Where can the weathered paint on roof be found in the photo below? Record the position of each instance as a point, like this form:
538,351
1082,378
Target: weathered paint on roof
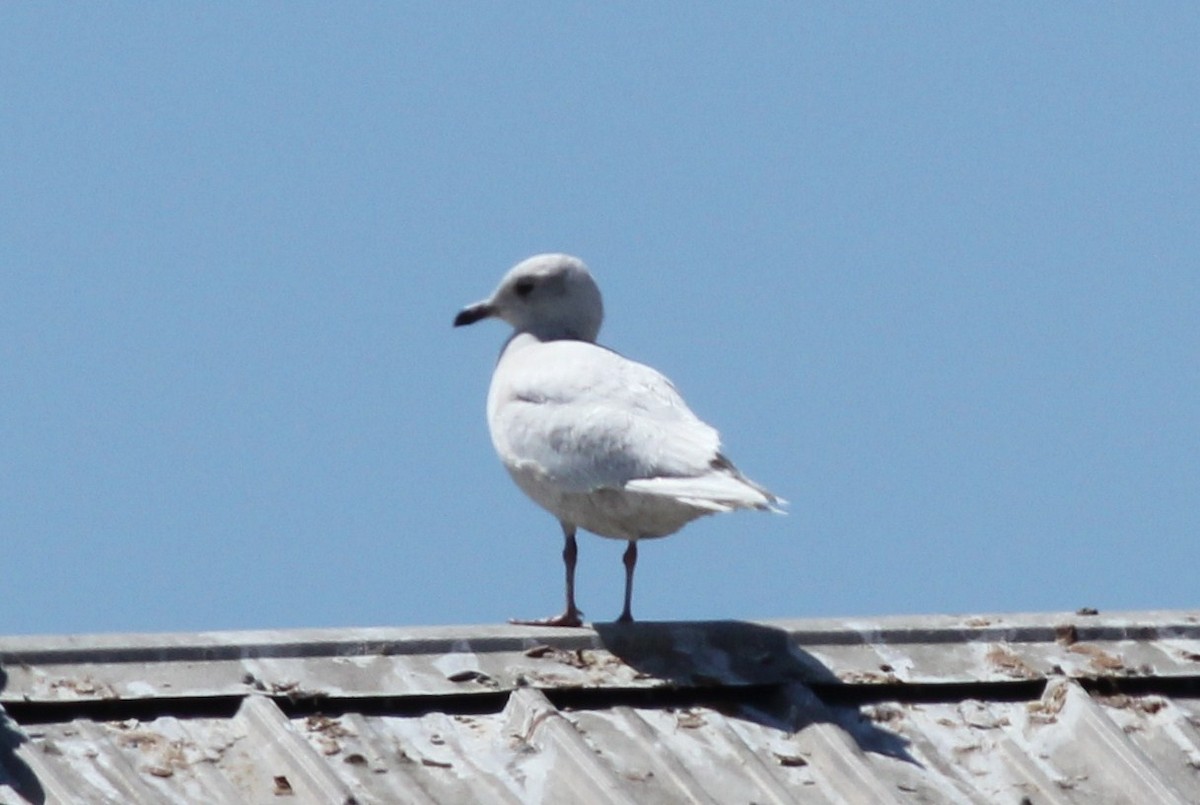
1038,708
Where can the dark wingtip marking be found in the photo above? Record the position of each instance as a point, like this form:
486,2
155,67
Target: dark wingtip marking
719,462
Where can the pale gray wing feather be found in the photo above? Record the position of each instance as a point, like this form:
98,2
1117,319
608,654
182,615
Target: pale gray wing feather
586,418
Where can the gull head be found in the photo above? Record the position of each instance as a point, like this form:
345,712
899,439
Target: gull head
551,296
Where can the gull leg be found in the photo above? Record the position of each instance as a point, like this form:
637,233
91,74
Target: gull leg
570,554
571,617
630,560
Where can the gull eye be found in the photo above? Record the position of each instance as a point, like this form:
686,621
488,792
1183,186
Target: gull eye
523,287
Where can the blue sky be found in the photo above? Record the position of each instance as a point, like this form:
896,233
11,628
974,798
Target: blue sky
932,273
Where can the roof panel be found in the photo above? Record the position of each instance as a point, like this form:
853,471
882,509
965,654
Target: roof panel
1053,708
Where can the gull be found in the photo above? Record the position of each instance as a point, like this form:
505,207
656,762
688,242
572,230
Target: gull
601,442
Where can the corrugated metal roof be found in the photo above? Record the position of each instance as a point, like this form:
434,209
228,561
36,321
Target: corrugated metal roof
996,709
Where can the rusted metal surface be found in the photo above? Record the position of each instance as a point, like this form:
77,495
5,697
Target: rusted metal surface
1049,707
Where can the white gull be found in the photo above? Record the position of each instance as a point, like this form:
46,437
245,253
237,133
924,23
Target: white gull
601,442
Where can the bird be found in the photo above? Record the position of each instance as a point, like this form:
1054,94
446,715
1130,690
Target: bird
601,442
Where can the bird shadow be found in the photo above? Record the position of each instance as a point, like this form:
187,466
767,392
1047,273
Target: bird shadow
755,672
14,771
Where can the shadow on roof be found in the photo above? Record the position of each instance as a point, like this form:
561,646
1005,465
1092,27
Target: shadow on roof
754,672
14,772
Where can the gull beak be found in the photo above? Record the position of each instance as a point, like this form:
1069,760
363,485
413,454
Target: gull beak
473,313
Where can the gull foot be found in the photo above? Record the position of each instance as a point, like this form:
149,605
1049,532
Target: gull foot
569,618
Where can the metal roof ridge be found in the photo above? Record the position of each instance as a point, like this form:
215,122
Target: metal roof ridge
388,640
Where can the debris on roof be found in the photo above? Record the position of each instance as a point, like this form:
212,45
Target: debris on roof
1007,708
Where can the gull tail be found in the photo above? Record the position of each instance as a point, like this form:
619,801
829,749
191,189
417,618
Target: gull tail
721,489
